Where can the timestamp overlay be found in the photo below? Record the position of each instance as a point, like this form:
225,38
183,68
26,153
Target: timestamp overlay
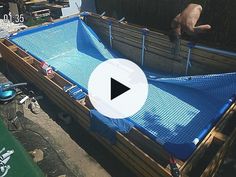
17,18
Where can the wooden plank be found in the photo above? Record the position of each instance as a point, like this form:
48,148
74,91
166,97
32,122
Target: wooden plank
199,65
146,171
202,147
29,60
220,136
162,51
124,33
152,34
153,61
218,158
214,62
153,149
226,63
160,43
13,48
121,29
7,43
144,157
127,25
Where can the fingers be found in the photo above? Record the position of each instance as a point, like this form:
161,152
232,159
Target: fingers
187,19
202,28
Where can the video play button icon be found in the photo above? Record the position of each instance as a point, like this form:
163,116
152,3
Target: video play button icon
118,88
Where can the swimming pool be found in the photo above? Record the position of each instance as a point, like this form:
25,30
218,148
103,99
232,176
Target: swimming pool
179,111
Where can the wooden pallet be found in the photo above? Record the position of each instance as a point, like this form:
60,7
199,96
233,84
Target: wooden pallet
159,53
138,152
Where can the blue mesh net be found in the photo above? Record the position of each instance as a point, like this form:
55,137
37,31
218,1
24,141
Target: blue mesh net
177,110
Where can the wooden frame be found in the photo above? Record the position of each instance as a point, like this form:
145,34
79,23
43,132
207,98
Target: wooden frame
160,53
138,152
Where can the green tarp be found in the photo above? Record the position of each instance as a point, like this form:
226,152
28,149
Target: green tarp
14,160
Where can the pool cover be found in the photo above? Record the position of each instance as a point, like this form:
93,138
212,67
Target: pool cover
179,111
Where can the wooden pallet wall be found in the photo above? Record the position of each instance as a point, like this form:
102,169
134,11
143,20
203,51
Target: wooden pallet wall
159,54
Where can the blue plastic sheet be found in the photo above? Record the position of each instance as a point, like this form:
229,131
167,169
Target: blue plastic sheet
107,127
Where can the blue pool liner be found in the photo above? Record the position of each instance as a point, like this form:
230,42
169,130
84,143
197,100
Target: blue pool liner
75,92
196,114
42,27
79,96
107,127
184,151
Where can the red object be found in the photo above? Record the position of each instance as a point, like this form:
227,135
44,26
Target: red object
173,167
46,68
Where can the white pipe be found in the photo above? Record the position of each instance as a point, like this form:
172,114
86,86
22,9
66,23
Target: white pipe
101,15
121,20
24,99
196,141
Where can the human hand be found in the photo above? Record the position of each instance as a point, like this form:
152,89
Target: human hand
186,21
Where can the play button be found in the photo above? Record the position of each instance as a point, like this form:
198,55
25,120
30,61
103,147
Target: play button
118,88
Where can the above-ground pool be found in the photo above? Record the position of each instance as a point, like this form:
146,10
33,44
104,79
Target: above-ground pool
179,111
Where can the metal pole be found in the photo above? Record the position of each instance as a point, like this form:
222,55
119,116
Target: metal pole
143,50
144,34
223,52
188,61
217,51
110,33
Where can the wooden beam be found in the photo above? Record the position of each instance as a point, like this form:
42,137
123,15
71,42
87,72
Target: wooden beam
203,62
220,136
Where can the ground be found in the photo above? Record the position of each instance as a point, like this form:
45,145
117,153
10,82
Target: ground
68,149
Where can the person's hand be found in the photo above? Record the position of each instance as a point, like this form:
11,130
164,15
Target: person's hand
186,21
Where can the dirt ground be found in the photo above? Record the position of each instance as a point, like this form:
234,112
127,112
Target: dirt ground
68,149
